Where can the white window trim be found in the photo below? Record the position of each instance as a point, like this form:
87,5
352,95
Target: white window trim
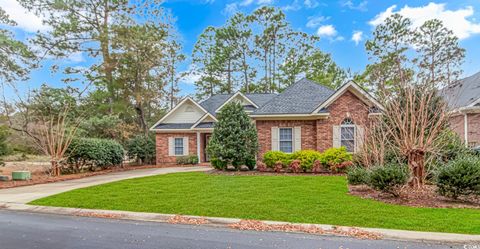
354,135
292,140
175,146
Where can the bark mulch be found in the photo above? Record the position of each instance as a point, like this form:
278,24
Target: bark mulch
268,173
41,177
425,197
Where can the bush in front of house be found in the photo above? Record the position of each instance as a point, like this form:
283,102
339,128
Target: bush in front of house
272,157
218,164
460,177
335,159
306,158
388,178
357,175
142,148
234,139
185,160
94,152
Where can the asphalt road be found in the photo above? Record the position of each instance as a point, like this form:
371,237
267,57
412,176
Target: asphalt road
19,230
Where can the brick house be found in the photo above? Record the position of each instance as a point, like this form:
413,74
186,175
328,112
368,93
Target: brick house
306,115
464,101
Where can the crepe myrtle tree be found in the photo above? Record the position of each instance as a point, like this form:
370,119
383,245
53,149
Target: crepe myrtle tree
234,140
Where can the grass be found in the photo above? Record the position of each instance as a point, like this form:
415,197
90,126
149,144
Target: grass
306,199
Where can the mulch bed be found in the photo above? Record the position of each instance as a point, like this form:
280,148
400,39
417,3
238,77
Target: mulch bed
426,197
270,173
40,178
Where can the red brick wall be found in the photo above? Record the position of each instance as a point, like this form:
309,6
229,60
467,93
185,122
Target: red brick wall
347,105
162,146
264,130
474,129
317,134
457,125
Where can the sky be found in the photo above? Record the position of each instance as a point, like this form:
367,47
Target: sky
342,25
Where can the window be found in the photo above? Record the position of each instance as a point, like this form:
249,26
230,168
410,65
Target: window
347,135
285,140
178,146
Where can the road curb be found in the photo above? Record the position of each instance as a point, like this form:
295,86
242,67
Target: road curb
225,222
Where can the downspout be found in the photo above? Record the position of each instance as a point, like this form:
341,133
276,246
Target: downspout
198,147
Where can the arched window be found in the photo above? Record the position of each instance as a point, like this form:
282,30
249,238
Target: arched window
347,134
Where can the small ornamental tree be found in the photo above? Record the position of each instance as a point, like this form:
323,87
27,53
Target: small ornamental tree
234,139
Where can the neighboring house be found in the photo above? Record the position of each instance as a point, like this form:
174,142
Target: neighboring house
306,115
464,101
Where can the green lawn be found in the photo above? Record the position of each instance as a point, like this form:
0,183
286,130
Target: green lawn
307,199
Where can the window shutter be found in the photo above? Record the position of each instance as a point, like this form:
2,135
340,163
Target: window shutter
185,146
297,136
171,146
336,137
274,138
359,137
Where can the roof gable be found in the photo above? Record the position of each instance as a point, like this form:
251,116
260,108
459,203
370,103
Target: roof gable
237,97
186,112
355,89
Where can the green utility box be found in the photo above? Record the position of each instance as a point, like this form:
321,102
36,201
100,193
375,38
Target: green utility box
21,175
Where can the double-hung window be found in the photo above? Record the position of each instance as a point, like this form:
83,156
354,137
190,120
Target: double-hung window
347,135
178,146
285,139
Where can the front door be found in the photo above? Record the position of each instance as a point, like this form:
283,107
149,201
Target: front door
207,138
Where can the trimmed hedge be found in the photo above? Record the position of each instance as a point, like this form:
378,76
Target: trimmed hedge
335,159
460,177
94,152
190,159
306,158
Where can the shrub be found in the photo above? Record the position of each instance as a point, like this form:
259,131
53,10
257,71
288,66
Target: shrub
218,164
94,152
342,167
335,156
459,177
184,160
142,149
317,167
250,163
307,158
278,166
295,166
388,178
234,138
357,175
261,166
271,157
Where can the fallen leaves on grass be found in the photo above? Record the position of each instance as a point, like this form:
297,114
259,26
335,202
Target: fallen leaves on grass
178,219
261,226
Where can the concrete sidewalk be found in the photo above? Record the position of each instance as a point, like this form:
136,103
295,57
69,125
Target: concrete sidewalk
22,195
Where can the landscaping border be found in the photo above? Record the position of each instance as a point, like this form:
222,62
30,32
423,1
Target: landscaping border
370,233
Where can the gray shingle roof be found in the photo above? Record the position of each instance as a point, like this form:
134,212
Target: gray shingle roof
464,93
300,98
174,126
205,125
211,104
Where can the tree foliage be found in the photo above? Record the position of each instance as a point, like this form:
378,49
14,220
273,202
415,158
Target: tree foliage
259,52
234,139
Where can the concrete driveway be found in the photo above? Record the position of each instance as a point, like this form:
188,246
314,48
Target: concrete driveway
26,194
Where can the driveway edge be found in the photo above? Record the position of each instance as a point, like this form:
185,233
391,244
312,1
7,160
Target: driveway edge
226,222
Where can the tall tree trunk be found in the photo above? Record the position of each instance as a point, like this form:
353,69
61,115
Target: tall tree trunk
416,163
